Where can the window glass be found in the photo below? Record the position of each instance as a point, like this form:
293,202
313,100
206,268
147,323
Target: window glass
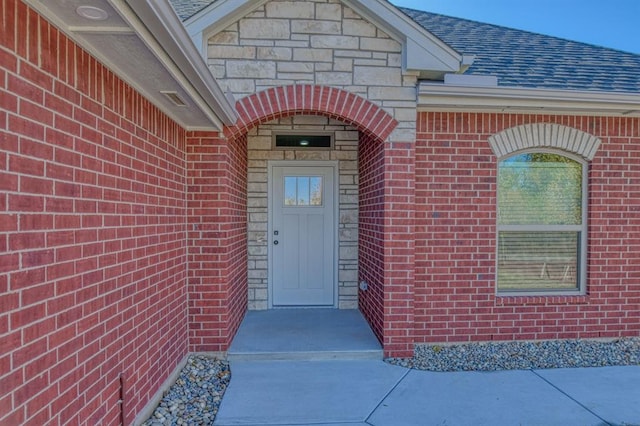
303,191
540,225
540,188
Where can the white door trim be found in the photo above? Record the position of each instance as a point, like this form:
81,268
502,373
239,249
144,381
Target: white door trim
336,215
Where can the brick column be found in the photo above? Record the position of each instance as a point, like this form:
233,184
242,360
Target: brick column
399,247
217,229
387,241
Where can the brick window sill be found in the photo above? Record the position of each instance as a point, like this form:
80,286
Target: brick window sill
542,300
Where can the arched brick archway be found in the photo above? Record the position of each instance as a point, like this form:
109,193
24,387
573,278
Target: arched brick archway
386,203
336,103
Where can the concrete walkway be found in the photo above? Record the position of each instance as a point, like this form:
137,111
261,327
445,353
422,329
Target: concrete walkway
371,392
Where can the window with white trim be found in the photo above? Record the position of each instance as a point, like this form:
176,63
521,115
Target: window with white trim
542,203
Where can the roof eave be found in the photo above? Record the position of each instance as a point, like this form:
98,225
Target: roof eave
169,34
441,97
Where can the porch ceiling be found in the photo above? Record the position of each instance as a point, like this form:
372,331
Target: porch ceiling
144,42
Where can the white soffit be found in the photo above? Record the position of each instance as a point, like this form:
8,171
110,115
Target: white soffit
422,51
442,97
139,41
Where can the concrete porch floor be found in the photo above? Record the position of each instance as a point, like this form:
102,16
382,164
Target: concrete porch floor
304,334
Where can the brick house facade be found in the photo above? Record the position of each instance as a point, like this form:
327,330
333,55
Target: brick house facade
134,231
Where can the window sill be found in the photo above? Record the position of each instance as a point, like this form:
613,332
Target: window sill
551,299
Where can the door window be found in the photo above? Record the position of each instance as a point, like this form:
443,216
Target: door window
302,191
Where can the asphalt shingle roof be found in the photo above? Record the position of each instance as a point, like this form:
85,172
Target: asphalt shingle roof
524,59
187,8
517,58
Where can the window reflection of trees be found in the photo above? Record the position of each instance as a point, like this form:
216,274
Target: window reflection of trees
303,191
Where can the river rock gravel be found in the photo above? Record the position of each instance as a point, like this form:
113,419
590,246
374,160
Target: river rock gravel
523,355
194,399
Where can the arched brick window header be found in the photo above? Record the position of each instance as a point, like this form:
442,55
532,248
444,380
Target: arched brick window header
332,102
544,135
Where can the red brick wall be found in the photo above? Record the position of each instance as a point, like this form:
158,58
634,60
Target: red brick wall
399,248
92,234
386,241
371,232
455,297
217,253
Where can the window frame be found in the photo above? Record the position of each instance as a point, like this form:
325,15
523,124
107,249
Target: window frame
582,229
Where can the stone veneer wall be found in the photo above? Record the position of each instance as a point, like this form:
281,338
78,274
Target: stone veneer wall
346,153
319,42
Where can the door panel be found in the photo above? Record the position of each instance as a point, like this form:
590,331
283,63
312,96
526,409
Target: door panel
303,236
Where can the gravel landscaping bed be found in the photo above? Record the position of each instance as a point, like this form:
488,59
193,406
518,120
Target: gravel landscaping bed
523,355
194,399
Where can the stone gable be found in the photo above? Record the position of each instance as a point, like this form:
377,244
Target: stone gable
319,42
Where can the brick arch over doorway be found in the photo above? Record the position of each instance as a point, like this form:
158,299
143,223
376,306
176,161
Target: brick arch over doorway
296,99
386,169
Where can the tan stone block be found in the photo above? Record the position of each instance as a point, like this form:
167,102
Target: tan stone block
334,42
295,76
370,62
259,142
348,304
315,27
348,234
312,155
290,9
239,85
379,44
224,37
266,155
300,67
251,69
358,27
257,187
394,93
348,165
323,66
394,60
349,253
379,76
353,54
348,13
232,52
331,11
349,216
344,155
346,180
218,71
334,78
268,29
275,53
313,55
343,64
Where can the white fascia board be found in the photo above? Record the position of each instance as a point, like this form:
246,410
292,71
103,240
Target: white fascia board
162,31
440,97
218,15
423,50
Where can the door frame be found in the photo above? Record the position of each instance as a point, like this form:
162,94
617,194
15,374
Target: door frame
336,221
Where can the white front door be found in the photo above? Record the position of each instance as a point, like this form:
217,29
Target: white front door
302,236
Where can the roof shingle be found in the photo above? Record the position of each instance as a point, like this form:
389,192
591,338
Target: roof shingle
525,59
185,9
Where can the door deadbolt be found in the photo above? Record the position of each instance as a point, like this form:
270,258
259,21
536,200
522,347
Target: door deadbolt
275,242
